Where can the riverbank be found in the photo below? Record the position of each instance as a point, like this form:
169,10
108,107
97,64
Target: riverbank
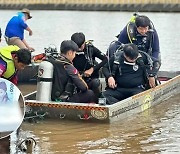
150,7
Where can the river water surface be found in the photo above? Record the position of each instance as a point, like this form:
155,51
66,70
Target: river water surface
156,130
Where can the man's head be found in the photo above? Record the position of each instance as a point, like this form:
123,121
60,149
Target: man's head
27,13
142,24
79,39
130,52
22,58
69,48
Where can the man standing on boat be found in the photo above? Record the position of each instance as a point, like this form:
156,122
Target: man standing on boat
67,83
14,33
85,61
128,72
141,32
12,59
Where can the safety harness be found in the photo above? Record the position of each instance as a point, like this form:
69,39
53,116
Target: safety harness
118,59
62,87
88,55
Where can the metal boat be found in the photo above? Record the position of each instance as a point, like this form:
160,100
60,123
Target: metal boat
170,86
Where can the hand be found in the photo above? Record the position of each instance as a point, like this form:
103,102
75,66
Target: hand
30,33
152,83
31,49
112,83
88,72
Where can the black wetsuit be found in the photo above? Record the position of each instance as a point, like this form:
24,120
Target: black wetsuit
130,78
85,60
68,76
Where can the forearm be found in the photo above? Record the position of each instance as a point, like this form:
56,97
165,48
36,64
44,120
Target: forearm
98,54
80,84
28,29
97,67
76,78
153,71
107,68
106,72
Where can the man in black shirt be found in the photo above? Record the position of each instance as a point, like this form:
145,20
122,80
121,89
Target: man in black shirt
85,61
127,73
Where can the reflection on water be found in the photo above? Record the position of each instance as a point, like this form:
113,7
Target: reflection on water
153,131
166,133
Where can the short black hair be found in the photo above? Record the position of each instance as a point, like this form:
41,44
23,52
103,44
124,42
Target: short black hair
142,21
67,45
131,51
24,56
78,38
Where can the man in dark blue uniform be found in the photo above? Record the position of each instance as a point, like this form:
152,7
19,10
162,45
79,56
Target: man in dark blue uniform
85,61
141,32
127,73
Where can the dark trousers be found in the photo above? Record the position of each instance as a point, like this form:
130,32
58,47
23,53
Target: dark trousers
114,95
94,85
83,97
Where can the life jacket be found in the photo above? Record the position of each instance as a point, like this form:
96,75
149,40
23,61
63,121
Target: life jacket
5,54
62,87
131,32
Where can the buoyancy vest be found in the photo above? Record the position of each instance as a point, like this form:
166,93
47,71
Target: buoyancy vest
113,47
5,54
62,86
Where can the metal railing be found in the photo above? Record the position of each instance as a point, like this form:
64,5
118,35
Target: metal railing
89,1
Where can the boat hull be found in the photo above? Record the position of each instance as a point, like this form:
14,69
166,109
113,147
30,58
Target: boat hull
103,113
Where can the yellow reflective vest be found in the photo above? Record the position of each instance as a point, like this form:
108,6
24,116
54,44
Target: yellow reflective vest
5,54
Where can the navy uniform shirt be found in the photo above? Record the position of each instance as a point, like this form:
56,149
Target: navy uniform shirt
141,40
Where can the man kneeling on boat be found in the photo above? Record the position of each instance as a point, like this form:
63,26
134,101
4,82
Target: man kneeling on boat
129,72
67,83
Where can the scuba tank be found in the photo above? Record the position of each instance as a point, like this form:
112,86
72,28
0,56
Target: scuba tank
45,75
44,81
